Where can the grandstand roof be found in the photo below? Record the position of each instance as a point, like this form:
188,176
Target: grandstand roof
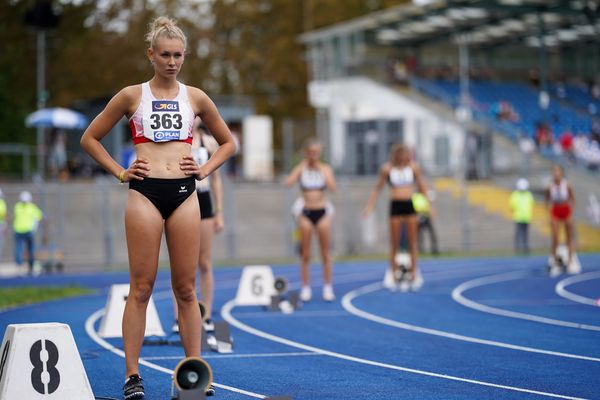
478,22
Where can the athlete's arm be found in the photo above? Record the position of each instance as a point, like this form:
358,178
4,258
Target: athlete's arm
293,177
120,105
571,197
205,108
422,187
216,185
420,181
383,175
329,178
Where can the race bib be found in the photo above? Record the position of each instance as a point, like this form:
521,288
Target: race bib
164,122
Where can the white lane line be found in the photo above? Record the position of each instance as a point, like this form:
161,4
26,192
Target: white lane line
255,355
348,306
226,313
457,295
89,328
561,290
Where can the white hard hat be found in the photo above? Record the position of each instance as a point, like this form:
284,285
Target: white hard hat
25,196
522,184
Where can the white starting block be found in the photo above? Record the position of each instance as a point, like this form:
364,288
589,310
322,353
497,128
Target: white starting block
557,265
219,340
403,262
283,301
256,287
41,361
111,324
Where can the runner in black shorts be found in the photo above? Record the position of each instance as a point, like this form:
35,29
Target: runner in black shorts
314,177
161,196
401,174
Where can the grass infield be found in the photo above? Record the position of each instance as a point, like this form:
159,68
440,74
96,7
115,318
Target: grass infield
12,297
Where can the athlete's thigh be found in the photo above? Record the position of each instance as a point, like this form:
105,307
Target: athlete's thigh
143,230
207,232
395,225
324,228
412,226
182,230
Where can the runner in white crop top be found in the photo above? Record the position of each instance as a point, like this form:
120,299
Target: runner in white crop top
312,179
162,120
162,196
401,176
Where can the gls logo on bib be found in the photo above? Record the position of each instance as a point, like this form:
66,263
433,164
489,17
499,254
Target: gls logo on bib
165,105
165,136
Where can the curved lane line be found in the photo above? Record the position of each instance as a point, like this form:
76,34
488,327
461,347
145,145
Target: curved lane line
457,295
561,290
348,306
226,314
89,328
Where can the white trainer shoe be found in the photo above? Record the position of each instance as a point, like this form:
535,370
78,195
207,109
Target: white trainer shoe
328,294
305,294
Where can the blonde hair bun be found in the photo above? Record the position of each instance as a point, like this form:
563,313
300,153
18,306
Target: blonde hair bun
164,27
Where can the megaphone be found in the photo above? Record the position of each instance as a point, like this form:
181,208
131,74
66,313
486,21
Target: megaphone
280,285
192,377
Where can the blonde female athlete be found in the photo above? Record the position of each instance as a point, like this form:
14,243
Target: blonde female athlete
162,182
401,174
314,177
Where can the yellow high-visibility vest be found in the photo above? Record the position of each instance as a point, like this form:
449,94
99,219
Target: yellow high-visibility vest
2,211
26,218
521,205
420,203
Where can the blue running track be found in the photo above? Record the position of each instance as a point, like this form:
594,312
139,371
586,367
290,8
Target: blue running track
486,328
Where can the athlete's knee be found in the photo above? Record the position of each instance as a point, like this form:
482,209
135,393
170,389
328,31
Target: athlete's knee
141,292
185,293
305,256
205,266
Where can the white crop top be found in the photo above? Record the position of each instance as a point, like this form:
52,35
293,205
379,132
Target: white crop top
201,156
312,179
399,177
162,120
559,193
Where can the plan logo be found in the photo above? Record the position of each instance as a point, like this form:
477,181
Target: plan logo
165,105
165,136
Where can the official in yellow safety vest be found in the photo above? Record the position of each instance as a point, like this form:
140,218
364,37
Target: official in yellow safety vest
521,205
27,217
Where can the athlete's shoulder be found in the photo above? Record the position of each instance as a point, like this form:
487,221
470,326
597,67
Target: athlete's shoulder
130,93
195,93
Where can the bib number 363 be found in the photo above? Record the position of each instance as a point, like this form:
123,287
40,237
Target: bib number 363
166,121
45,378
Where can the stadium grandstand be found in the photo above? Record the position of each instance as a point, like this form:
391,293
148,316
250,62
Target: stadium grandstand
523,68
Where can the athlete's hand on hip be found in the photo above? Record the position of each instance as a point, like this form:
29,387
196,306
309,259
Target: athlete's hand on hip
137,170
190,167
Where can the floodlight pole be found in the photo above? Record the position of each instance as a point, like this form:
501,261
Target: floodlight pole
41,96
463,59
543,97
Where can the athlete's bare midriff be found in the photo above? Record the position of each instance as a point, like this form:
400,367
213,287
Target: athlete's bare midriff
314,199
163,158
401,193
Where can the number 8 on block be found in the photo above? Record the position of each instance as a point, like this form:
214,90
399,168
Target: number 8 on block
35,360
